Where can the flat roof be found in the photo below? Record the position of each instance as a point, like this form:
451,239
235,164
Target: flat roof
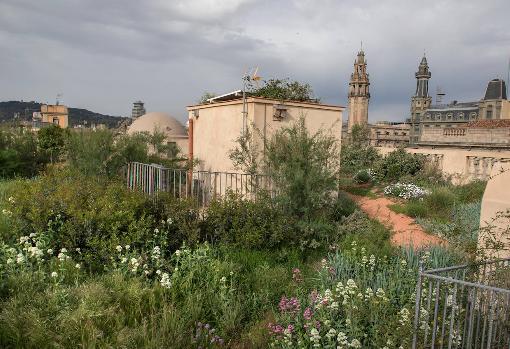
267,101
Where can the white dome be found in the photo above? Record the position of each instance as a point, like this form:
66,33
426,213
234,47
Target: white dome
158,121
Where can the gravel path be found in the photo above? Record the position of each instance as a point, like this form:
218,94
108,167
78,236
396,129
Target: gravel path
406,232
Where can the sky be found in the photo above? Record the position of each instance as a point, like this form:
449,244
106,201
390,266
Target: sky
105,54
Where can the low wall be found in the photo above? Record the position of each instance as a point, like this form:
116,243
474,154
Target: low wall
495,214
463,165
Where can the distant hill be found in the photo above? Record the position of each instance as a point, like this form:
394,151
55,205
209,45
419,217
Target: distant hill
77,116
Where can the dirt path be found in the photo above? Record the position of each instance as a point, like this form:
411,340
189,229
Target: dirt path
405,230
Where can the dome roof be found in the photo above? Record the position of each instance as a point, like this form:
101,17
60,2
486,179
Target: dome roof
160,121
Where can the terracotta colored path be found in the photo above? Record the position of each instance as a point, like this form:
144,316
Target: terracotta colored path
406,232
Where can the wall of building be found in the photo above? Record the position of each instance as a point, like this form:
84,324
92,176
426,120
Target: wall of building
55,114
389,135
467,136
463,165
494,216
218,126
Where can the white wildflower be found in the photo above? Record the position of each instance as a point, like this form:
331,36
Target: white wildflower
165,280
355,344
54,274
118,248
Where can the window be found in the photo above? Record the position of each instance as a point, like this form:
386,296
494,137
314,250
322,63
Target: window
488,114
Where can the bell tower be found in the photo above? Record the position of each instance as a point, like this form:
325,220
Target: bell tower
359,94
421,100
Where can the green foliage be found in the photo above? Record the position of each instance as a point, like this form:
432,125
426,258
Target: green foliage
470,192
250,224
362,177
398,164
95,214
369,234
360,135
284,89
357,154
20,154
304,169
363,301
342,207
101,153
246,155
52,140
440,200
207,95
229,289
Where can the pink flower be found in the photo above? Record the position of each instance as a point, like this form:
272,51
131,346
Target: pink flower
291,305
308,314
275,329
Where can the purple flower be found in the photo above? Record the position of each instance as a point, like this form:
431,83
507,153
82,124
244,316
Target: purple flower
290,328
275,329
289,305
308,314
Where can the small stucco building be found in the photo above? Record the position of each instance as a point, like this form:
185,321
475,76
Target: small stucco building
162,122
51,115
215,127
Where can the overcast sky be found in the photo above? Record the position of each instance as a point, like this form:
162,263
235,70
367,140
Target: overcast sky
105,54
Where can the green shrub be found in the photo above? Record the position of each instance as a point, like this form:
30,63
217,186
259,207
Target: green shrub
417,208
246,223
398,164
369,234
355,157
470,192
20,155
343,206
362,176
440,201
95,214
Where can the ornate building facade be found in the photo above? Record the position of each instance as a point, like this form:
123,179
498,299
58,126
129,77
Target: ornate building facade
359,94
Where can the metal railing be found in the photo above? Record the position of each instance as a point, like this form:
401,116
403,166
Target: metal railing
203,186
466,306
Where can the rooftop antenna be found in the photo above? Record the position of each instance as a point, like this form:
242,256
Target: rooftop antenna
59,98
439,95
249,76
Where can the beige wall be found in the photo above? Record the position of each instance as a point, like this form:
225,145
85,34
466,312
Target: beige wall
500,108
181,142
467,136
50,113
219,125
494,223
463,165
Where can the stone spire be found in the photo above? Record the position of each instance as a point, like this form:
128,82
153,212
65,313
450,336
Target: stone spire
421,100
422,79
359,95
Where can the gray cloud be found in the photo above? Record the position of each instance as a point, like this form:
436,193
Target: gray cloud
105,54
